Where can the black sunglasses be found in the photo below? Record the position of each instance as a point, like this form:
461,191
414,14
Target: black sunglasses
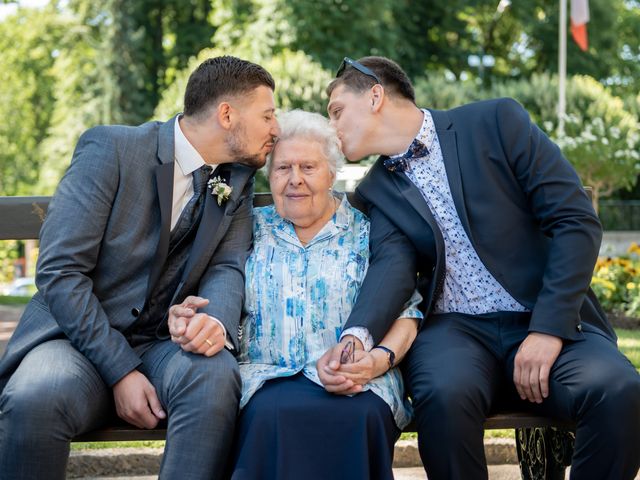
358,66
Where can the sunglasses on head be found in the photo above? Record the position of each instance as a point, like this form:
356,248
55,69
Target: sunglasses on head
358,66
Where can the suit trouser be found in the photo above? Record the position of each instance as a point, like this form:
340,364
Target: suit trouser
56,394
460,366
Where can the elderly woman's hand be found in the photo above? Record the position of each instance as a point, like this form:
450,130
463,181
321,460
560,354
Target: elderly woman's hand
328,367
367,366
349,378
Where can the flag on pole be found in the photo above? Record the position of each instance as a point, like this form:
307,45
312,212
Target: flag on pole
579,20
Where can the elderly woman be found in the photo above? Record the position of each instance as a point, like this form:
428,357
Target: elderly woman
309,259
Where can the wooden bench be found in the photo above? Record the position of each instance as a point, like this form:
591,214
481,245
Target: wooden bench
544,445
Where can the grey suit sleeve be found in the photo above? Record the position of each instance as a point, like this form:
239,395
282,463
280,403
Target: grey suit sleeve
565,215
390,279
223,281
70,242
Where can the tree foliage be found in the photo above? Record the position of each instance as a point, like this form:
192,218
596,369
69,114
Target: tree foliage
81,63
602,134
28,41
601,138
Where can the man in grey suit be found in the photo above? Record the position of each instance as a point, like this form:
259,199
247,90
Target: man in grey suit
131,231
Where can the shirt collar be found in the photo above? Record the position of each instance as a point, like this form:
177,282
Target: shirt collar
187,157
284,229
426,135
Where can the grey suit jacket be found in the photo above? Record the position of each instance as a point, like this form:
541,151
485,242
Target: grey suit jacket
105,239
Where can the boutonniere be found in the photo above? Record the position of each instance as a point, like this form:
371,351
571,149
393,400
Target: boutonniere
220,189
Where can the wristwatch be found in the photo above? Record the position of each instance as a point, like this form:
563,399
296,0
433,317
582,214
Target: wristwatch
390,354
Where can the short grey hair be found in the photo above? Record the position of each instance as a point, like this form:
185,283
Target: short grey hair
314,127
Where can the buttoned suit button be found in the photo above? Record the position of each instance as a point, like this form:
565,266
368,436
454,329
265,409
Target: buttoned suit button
135,312
579,327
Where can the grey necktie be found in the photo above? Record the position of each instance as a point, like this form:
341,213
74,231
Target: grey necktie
191,212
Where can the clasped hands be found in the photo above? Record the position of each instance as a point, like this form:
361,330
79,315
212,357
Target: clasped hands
195,332
350,377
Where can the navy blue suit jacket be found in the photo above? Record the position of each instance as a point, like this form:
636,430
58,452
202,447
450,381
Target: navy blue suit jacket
521,204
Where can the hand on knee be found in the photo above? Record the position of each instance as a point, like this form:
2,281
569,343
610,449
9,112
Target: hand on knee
137,402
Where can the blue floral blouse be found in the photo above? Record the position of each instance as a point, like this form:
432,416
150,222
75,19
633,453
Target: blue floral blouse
298,299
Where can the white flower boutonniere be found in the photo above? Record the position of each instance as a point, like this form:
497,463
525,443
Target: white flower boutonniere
220,189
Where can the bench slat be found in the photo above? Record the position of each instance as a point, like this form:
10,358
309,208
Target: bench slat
21,217
122,432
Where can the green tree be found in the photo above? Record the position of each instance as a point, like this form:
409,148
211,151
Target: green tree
601,139
614,42
113,62
602,136
28,41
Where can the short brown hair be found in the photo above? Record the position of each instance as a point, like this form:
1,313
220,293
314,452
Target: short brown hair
394,80
222,76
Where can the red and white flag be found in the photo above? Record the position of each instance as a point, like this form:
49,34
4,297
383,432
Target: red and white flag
579,20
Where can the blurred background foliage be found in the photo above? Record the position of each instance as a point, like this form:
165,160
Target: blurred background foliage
71,64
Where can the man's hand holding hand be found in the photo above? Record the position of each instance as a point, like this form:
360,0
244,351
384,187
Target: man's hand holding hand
329,368
532,365
136,401
195,332
366,367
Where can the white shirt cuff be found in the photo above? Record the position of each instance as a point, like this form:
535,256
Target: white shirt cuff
227,343
362,334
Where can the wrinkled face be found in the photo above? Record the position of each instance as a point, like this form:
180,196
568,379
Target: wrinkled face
301,182
253,134
350,114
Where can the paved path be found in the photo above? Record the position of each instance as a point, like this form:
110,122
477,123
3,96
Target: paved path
496,472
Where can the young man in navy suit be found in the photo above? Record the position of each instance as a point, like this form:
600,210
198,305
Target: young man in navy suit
483,207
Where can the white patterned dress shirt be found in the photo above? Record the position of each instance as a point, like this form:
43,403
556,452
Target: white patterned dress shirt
468,286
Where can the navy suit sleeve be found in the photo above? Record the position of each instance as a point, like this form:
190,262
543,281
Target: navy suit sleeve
564,214
390,279
70,242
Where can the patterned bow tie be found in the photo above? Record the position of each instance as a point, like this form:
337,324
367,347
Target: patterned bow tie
400,163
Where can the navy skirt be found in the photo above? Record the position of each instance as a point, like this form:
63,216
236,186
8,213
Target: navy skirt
293,429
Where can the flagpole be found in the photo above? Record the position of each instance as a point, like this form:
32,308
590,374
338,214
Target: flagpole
562,66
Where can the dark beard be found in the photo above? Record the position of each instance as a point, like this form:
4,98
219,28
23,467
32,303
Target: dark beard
237,147
253,161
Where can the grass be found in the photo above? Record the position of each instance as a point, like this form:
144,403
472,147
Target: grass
13,300
101,445
629,344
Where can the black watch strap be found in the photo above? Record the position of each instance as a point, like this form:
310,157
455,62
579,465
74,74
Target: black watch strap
390,353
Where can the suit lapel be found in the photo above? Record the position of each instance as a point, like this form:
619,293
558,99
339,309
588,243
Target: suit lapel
411,193
164,185
447,139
